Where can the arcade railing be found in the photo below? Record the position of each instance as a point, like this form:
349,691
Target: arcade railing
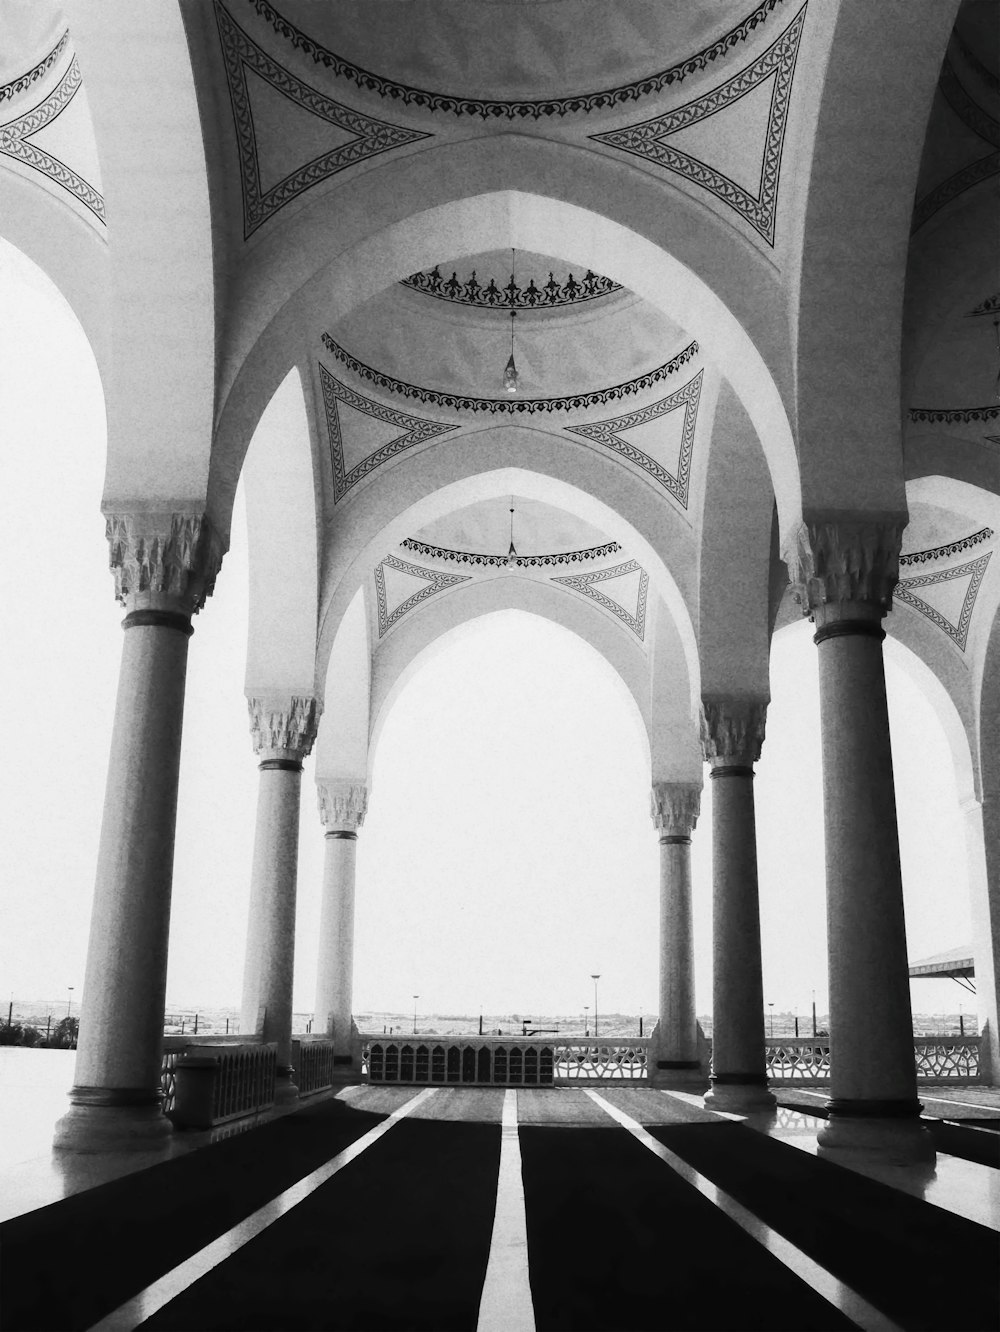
500,1061
806,1061
213,1082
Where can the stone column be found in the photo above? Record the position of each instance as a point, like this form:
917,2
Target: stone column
844,572
283,729
674,1054
164,566
983,853
732,736
342,806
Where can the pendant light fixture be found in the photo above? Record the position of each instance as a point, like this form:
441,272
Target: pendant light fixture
510,369
511,553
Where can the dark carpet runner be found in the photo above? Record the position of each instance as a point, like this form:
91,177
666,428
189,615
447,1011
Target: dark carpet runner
398,1239
924,1267
65,1266
617,1240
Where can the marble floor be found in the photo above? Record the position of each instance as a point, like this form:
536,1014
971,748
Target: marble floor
34,1083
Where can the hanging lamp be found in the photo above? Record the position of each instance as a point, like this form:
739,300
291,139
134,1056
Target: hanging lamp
512,556
510,369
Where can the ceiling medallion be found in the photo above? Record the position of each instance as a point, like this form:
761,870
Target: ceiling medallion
549,296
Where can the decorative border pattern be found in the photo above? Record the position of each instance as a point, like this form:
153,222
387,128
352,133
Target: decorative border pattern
608,434
958,633
512,297
966,107
953,415
500,561
990,306
585,583
944,552
371,137
981,123
436,582
987,75
20,85
527,109
510,406
15,142
645,139
415,431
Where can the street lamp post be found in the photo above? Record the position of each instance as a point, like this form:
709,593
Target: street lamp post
415,998
69,998
586,1019
595,978
771,1020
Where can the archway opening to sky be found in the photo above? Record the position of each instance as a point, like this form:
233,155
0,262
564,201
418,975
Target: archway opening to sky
508,852
789,794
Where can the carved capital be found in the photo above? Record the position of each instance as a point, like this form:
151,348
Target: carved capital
342,803
675,807
845,559
163,560
283,726
732,728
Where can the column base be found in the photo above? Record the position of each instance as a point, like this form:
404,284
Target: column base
286,1093
740,1096
891,1134
683,1074
110,1119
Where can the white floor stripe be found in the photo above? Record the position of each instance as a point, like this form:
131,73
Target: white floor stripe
135,1311
506,1302
840,1296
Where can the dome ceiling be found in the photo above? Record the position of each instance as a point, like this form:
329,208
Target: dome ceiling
458,348
484,529
517,50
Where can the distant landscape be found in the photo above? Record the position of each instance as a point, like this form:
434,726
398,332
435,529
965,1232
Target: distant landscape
222,1021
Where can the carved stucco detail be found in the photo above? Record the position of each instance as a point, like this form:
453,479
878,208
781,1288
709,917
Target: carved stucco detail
163,559
283,727
845,560
675,807
732,729
342,804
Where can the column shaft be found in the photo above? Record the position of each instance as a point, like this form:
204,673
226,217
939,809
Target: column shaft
678,1027
871,1032
983,852
121,1023
335,967
269,973
738,1056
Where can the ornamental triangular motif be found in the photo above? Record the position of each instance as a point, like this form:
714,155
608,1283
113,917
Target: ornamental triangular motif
953,615
729,141
340,138
394,432
614,433
18,142
623,592
393,580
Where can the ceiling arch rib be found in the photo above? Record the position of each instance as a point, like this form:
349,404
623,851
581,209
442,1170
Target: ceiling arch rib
161,394
356,562
424,636
549,226
283,548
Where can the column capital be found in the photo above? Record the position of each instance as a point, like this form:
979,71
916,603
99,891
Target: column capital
163,559
732,728
343,803
675,807
845,565
283,726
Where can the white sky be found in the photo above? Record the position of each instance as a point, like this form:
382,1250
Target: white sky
508,851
